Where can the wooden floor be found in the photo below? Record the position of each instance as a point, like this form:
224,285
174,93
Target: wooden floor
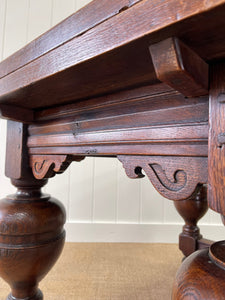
105,271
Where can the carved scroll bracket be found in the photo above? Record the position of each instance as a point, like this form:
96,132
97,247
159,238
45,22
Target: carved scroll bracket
46,166
174,177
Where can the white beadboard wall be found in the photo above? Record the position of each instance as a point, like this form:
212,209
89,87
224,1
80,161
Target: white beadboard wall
102,204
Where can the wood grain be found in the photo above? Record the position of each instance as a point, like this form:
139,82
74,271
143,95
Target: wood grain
116,111
88,87
180,67
216,179
192,210
15,149
151,92
119,53
165,123
171,134
199,277
46,166
78,23
174,178
31,223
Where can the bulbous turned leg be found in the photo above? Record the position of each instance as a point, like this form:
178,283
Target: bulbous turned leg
31,238
202,275
192,210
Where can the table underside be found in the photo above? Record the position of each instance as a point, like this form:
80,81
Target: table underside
139,80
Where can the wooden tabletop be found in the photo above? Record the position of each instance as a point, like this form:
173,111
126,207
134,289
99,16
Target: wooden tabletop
104,48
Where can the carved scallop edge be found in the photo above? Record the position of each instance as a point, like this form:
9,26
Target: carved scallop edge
175,178
46,166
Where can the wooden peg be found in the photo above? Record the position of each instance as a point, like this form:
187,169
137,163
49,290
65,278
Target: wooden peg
180,67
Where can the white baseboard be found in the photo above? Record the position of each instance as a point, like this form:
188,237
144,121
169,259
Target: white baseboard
137,233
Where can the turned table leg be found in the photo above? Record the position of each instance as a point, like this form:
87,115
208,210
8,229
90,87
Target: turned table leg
192,210
31,238
31,223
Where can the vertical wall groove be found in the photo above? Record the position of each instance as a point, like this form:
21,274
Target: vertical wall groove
27,19
140,203
92,189
3,9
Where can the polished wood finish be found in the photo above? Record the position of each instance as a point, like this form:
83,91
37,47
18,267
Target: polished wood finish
47,166
216,132
31,238
208,265
67,66
31,223
192,210
16,113
174,178
77,24
201,276
180,67
91,87
166,123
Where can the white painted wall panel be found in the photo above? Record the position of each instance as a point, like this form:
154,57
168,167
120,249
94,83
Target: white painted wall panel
39,18
59,188
128,202
105,190
81,3
214,218
3,179
16,26
207,218
152,203
61,10
2,25
81,191
102,203
168,215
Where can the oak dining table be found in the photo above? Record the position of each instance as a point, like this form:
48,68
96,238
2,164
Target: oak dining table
139,80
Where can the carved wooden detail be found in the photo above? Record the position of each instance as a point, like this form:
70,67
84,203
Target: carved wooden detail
180,67
46,166
174,177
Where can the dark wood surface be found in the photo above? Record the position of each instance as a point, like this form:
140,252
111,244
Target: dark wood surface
105,125
91,87
77,24
200,276
31,223
180,67
216,134
59,70
192,210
